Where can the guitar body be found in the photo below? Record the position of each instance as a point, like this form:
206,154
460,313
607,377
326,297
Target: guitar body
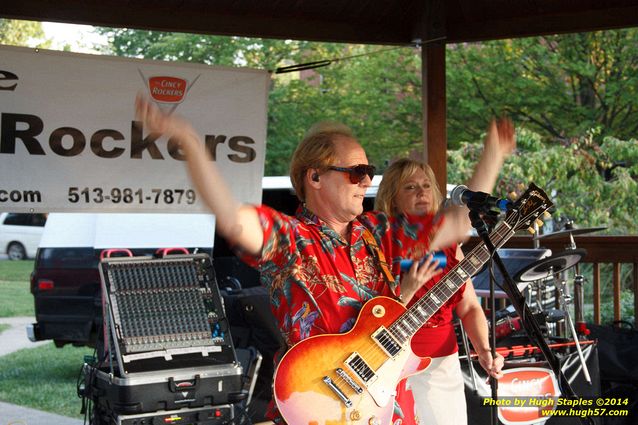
348,378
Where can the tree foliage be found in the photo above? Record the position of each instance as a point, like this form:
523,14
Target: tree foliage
22,33
559,86
581,175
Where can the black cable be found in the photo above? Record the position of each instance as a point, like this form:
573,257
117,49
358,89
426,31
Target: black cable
83,392
326,62
242,415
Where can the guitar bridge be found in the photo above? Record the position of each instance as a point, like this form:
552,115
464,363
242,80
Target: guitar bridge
344,375
337,391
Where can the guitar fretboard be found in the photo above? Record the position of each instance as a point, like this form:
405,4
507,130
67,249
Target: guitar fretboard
417,315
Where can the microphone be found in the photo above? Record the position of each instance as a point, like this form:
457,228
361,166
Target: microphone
481,201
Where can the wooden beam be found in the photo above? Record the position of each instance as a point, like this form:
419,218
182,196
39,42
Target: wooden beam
600,249
433,85
616,289
434,110
280,20
596,290
566,19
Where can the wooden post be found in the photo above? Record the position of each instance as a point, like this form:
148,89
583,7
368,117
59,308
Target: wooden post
434,111
596,290
616,282
433,34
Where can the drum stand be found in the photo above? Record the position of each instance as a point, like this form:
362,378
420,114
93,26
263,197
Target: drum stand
565,302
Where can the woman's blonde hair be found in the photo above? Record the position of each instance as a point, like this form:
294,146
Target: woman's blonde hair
316,150
395,176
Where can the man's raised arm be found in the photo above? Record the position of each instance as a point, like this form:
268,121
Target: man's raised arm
236,222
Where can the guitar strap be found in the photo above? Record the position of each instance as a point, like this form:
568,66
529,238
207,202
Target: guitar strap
379,258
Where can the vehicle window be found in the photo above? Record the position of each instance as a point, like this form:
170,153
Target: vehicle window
67,258
38,220
15,219
21,219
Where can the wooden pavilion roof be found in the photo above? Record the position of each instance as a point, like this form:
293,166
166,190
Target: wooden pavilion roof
353,21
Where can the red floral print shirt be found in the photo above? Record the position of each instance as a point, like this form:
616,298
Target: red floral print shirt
318,281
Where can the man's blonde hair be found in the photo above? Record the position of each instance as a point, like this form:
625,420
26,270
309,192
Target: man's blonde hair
316,150
395,176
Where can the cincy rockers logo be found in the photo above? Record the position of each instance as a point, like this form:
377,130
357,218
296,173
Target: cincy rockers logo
535,384
167,91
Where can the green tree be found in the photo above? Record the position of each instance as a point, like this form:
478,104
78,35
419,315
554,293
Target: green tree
559,86
586,185
22,33
382,107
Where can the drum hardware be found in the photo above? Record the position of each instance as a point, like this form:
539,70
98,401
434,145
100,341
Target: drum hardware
537,287
549,266
508,311
581,326
554,315
569,231
565,301
506,326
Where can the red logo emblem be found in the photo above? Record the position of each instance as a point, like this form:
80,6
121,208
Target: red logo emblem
167,89
530,390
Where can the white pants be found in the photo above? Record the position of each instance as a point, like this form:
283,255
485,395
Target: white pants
439,392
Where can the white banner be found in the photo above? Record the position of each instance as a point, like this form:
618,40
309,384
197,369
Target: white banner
68,141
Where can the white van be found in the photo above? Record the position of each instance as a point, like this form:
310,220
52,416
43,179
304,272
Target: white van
20,234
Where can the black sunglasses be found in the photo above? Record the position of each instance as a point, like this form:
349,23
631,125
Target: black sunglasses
357,172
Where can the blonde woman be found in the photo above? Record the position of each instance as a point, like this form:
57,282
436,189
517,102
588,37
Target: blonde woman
409,188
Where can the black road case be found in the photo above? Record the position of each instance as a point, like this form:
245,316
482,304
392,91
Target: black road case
211,415
164,390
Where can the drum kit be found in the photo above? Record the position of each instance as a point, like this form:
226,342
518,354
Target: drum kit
545,272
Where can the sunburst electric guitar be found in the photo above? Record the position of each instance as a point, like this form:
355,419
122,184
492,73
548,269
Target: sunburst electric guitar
351,378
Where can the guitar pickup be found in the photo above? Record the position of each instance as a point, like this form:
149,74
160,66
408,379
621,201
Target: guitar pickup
387,342
337,391
361,369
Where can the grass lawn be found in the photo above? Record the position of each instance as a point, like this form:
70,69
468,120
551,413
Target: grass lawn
15,297
15,271
43,378
3,327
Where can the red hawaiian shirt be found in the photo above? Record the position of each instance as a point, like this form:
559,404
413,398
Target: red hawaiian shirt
318,281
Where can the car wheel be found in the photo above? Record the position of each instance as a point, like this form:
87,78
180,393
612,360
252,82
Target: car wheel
16,251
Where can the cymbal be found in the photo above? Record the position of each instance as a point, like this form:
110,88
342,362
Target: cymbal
547,266
566,232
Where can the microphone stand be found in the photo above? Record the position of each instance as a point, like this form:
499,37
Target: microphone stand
483,231
531,326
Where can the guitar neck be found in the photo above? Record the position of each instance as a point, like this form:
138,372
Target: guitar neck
417,315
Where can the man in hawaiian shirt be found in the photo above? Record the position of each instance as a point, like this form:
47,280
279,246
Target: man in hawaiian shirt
323,264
